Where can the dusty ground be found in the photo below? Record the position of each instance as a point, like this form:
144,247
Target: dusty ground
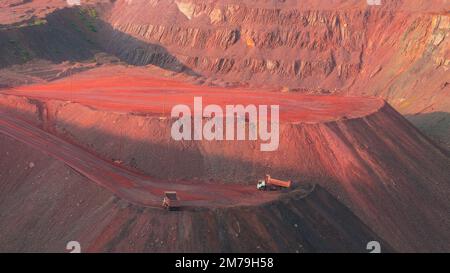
398,51
81,87
45,206
340,143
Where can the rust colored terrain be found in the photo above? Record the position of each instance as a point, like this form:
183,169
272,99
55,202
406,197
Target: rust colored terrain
102,222
86,152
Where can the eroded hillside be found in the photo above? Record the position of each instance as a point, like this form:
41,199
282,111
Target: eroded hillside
100,78
398,51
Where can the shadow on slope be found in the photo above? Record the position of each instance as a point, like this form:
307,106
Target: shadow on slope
72,34
436,125
406,208
49,205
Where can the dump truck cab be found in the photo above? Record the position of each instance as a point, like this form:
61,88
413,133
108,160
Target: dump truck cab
170,201
261,185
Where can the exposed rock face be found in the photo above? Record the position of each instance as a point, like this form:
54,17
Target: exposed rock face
398,51
307,47
389,174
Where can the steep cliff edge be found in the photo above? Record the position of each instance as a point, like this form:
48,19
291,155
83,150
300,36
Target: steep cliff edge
398,51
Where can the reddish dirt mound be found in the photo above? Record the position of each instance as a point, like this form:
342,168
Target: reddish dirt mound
45,204
368,156
359,149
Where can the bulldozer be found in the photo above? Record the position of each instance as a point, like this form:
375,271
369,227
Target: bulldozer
269,183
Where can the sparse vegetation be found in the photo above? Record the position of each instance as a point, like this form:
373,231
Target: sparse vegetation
38,22
92,12
31,23
19,51
75,27
25,55
91,27
88,16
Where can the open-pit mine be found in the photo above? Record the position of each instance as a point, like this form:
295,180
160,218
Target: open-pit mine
359,142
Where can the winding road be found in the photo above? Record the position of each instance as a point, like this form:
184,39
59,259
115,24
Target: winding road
126,184
124,90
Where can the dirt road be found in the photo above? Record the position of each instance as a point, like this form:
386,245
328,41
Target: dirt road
131,186
133,90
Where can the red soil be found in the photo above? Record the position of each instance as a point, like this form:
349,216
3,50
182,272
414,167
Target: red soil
361,150
45,207
126,90
131,186
134,91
